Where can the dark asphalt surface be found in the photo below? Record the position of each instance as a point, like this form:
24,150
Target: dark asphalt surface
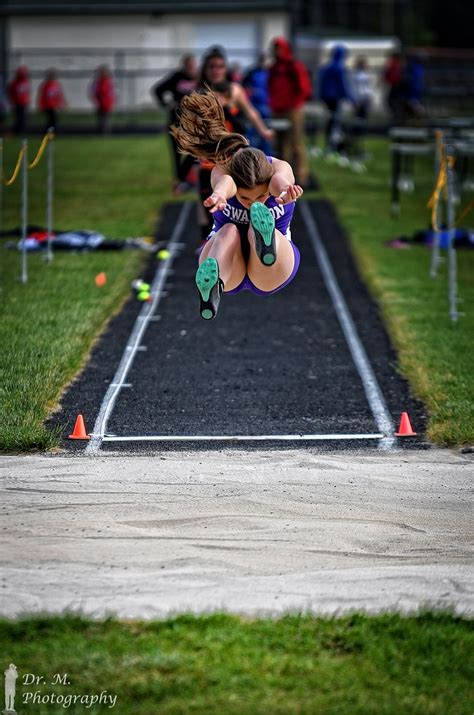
275,365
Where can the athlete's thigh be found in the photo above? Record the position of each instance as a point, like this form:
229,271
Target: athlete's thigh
270,277
205,249
227,235
226,239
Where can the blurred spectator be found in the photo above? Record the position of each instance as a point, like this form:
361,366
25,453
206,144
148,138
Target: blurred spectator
363,94
216,51
3,106
236,74
234,100
411,89
334,89
51,99
237,109
392,77
362,91
19,94
103,95
255,82
289,87
169,93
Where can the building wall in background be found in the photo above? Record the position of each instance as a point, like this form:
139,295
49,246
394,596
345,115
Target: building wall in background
139,49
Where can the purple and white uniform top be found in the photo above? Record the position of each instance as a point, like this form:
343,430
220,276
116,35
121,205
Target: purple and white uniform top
236,213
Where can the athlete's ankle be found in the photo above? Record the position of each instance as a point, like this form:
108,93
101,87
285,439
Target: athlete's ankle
210,287
263,226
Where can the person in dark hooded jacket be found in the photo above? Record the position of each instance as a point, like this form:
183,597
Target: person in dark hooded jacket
333,90
169,93
289,88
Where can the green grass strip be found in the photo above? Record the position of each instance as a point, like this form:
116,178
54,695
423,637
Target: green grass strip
48,326
434,354
354,665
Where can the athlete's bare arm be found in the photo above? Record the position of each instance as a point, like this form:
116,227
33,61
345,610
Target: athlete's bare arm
223,187
282,184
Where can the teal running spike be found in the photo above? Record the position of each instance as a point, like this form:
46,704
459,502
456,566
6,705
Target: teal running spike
210,288
263,225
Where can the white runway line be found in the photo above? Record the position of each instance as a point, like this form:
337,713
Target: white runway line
239,438
372,390
136,336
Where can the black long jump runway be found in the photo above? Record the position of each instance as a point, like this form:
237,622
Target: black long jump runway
266,366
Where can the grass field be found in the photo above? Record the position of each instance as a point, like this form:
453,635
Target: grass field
49,324
224,665
86,119
435,355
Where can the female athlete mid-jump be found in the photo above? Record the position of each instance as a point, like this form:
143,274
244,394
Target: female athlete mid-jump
249,246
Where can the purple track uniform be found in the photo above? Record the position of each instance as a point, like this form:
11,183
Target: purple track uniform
236,213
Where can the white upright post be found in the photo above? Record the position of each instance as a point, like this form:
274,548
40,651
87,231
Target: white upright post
24,212
1,183
452,259
49,196
435,254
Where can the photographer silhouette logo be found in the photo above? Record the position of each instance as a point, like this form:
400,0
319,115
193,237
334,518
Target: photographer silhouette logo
11,674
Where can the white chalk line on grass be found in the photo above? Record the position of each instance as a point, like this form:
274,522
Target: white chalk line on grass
135,338
361,361
239,438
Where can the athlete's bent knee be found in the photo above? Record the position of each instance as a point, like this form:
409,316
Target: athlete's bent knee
229,231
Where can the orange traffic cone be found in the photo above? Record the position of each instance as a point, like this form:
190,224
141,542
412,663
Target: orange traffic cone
79,431
405,429
101,279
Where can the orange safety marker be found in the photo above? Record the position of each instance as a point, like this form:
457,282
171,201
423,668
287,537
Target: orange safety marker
101,279
79,431
405,429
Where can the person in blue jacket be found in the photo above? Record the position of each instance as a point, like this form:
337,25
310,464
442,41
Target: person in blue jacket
412,88
334,88
255,83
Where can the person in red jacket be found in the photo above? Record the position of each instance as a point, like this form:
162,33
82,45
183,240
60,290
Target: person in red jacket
289,87
19,94
102,93
51,99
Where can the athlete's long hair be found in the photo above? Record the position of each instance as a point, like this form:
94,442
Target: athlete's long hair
201,132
